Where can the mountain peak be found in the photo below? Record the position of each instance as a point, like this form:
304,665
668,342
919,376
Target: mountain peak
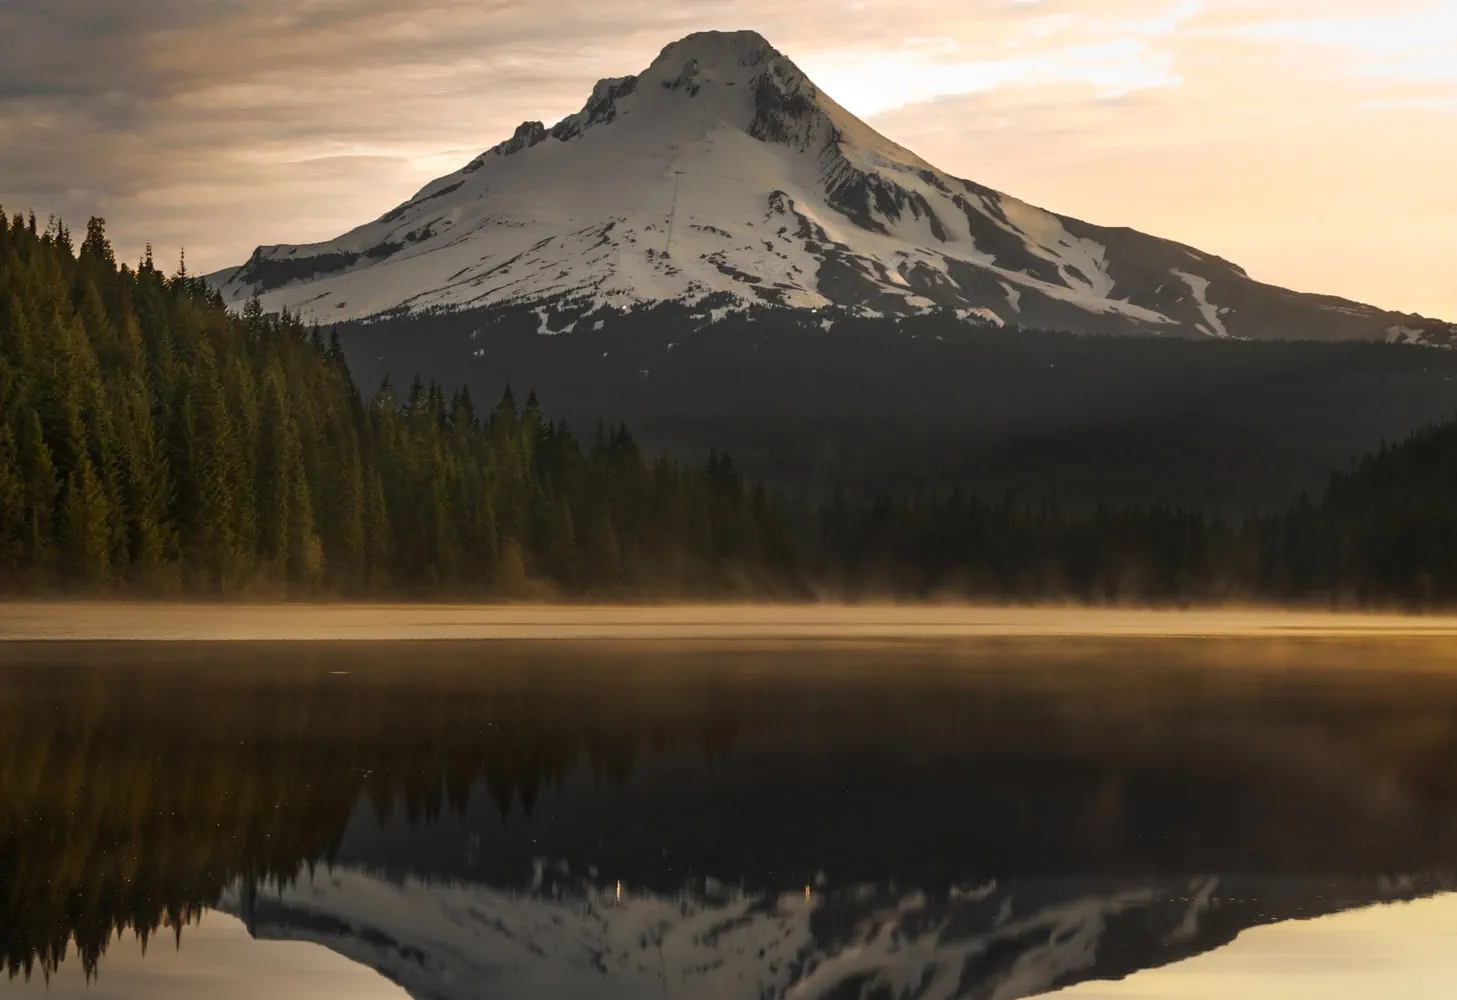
720,60
721,172
712,48
724,58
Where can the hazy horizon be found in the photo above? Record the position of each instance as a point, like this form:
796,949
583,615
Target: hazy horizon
1309,143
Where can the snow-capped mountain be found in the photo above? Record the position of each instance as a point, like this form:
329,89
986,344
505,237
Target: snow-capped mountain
572,940
722,176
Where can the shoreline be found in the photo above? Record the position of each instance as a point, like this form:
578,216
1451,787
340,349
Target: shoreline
154,622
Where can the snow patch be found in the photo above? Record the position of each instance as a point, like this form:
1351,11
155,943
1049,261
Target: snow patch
1199,288
982,314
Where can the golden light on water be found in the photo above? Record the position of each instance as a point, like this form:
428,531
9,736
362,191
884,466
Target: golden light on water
198,622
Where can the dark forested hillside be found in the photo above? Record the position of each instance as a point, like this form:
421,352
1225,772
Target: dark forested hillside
151,442
818,401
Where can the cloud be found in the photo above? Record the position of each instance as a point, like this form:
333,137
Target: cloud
1257,129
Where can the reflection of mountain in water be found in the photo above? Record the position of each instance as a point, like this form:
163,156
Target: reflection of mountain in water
1087,785
573,940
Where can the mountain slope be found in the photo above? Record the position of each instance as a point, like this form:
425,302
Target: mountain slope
723,175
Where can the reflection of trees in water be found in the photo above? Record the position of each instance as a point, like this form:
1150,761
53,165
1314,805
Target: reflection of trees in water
137,782
131,795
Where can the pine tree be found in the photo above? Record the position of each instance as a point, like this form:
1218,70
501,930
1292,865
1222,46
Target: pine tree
483,550
61,238
13,520
209,481
346,548
439,543
284,503
86,529
96,244
242,405
377,542
38,481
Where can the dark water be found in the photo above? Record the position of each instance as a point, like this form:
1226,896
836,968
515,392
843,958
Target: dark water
836,821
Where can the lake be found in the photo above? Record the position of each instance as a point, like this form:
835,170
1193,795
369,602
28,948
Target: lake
962,816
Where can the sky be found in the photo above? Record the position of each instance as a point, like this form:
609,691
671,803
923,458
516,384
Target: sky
1406,950
1314,142
217,958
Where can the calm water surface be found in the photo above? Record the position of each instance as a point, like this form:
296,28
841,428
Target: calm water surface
837,821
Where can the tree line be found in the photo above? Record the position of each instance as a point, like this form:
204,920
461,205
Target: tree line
152,442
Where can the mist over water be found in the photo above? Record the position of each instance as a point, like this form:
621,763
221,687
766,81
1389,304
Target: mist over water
964,816
828,621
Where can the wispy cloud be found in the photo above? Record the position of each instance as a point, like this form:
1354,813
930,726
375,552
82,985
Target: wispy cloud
1311,140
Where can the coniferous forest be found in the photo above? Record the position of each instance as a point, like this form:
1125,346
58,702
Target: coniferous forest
152,443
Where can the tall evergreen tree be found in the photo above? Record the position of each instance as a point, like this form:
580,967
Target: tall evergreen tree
12,506
40,488
209,478
86,529
378,553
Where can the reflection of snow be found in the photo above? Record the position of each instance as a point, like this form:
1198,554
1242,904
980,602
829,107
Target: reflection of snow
445,941
575,939
1189,929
